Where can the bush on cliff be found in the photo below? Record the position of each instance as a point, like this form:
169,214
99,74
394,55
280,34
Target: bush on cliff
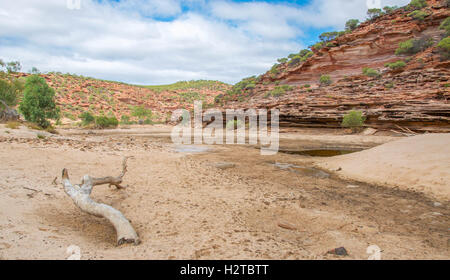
374,13
351,24
413,46
354,120
418,15
370,72
444,48
396,65
445,25
325,80
417,4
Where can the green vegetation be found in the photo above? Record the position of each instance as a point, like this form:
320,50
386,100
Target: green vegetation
374,13
239,88
389,85
87,118
389,9
183,85
328,36
417,4
38,104
106,122
413,46
10,87
351,24
418,15
396,65
302,56
325,80
279,91
354,120
370,72
444,48
445,25
141,112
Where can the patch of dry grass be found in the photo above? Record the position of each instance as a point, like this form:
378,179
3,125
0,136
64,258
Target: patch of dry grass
13,125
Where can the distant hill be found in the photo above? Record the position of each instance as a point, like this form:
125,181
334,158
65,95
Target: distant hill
77,94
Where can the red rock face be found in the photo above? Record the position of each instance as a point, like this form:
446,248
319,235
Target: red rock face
416,97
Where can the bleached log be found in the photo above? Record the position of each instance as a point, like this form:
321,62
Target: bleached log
81,197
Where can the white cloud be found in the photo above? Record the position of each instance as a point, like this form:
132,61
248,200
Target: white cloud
221,40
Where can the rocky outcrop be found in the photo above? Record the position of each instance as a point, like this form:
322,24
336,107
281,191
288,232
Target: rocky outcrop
416,97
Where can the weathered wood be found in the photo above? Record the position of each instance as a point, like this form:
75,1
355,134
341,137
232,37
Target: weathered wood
81,197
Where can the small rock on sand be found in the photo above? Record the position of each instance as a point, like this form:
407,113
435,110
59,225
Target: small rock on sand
225,165
286,225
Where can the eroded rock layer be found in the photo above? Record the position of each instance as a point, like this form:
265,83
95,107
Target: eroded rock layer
416,96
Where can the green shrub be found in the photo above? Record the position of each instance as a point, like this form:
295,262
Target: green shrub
38,104
328,36
318,46
87,118
106,122
413,46
445,25
140,112
325,80
374,13
418,15
444,48
351,24
124,119
282,60
353,120
417,4
274,69
396,65
388,9
370,72
389,85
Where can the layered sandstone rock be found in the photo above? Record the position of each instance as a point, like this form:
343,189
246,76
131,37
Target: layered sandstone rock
416,97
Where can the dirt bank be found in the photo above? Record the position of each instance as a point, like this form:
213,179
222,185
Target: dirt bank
420,163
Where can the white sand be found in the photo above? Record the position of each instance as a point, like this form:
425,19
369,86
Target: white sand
420,163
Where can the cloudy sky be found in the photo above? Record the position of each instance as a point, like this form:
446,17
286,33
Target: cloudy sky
163,41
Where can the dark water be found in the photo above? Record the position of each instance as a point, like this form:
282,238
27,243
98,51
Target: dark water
319,153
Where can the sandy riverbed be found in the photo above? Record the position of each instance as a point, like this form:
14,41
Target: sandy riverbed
187,206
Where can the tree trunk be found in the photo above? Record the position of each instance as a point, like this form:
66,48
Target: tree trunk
81,197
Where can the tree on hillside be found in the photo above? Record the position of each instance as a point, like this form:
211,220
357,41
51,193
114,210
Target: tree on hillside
38,104
374,13
417,4
13,67
328,36
351,24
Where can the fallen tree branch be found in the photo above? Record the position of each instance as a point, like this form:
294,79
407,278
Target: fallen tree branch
81,197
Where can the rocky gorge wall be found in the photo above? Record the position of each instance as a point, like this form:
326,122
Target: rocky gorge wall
416,97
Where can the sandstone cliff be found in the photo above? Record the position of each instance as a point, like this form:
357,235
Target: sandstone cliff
415,96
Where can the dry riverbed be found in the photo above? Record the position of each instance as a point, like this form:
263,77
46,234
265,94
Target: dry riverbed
214,202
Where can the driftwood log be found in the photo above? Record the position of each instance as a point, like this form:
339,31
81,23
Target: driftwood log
81,197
